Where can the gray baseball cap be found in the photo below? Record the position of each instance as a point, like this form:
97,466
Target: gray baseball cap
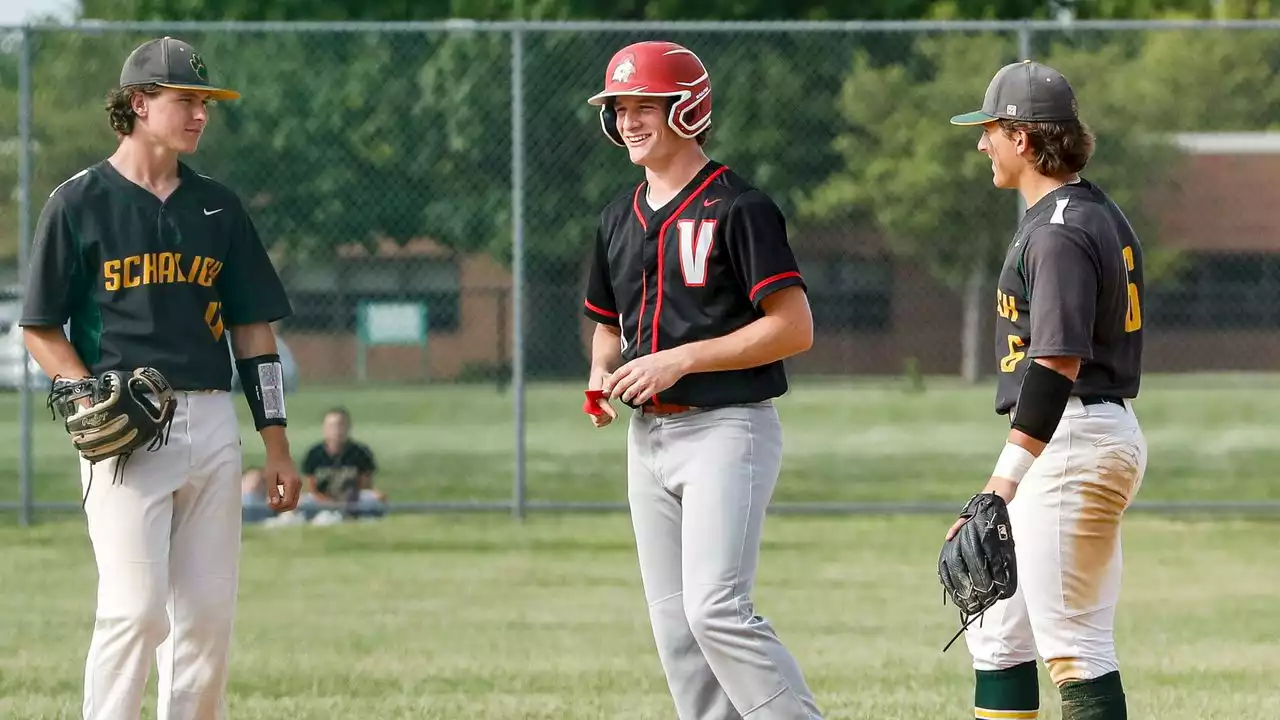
1025,91
171,63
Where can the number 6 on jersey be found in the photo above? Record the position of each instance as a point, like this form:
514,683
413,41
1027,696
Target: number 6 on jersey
1133,318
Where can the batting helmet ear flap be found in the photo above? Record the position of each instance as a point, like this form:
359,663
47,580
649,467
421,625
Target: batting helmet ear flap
609,122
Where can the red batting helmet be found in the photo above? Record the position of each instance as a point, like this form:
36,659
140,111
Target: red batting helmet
657,69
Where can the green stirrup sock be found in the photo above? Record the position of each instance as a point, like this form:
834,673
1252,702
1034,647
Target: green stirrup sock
1010,694
1099,699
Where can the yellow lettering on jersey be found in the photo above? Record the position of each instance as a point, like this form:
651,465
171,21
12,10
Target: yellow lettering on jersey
1010,361
194,272
162,268
1006,306
150,276
213,318
1132,318
131,278
168,263
209,270
111,271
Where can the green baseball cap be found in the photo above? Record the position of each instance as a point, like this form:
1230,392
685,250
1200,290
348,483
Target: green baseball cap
171,63
1025,91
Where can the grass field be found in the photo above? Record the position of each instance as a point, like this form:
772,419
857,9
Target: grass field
479,616
482,617
1212,438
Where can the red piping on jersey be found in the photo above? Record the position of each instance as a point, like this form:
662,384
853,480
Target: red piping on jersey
763,283
657,308
635,207
601,311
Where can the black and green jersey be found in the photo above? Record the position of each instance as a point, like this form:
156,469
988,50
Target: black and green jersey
1072,285
150,283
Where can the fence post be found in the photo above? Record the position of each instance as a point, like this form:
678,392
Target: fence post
517,265
1024,53
24,239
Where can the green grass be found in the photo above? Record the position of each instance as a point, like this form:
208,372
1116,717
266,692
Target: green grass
1212,438
437,616
482,617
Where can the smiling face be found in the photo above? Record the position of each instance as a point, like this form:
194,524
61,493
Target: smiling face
642,123
174,119
1006,154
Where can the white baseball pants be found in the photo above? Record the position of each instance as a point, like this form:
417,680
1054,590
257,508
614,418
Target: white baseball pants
1066,529
167,544
699,483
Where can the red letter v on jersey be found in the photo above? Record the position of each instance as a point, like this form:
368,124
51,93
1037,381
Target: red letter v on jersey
695,250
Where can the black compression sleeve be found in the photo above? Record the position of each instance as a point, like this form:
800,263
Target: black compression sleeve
1041,400
262,380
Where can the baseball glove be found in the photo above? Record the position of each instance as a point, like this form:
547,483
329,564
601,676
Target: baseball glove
119,417
977,566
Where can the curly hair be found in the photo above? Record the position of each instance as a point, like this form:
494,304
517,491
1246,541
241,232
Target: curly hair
119,106
1059,148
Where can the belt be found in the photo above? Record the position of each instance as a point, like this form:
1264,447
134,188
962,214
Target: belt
1100,399
664,409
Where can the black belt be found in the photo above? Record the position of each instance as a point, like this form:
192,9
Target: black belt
1100,399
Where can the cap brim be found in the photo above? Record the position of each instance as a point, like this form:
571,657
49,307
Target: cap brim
214,93
976,117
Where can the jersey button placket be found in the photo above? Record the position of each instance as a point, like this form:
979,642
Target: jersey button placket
648,291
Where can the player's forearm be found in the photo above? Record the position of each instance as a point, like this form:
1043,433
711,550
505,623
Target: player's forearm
1067,366
275,441
763,341
1022,449
785,330
53,352
257,339
606,350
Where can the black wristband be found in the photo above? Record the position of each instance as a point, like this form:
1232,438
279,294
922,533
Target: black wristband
1041,400
262,380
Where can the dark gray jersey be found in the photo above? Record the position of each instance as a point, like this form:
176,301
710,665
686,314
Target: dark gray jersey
145,282
1072,285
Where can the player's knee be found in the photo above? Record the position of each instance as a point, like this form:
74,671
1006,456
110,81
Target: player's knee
712,611
1063,670
142,617
206,613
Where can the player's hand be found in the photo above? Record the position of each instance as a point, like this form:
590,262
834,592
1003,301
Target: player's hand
639,380
606,414
1003,487
283,484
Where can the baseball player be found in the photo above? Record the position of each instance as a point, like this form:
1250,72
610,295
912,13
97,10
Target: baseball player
1069,355
152,263
697,299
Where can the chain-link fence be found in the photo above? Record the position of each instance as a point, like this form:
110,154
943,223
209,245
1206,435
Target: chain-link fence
430,192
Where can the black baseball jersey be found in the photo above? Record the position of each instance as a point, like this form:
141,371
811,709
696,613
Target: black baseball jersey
338,476
146,282
1072,285
694,269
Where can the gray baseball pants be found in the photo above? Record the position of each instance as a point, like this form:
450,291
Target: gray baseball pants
698,484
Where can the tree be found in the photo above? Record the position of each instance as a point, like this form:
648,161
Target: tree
929,190
347,137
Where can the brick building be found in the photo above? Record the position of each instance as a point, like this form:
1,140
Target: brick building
1219,311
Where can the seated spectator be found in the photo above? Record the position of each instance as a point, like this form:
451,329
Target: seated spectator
338,472
253,497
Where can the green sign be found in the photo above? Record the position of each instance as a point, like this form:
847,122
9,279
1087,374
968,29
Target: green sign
381,322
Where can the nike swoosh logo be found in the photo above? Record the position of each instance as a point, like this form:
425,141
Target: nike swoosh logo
213,212
709,203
